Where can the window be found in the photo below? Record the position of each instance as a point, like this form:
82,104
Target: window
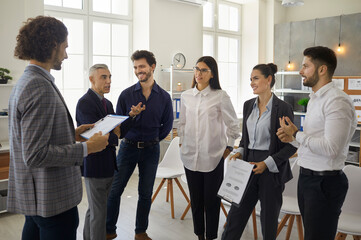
99,32
221,39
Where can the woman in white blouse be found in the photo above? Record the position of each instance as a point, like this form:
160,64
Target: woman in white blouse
208,128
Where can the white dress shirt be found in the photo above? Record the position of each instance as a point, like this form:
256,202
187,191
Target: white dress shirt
329,125
207,124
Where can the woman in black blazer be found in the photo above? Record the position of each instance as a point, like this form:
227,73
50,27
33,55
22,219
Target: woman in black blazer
261,147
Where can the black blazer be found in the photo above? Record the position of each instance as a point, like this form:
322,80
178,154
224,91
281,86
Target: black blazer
280,152
89,110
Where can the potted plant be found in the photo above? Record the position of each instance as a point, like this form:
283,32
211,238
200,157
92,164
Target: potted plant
303,102
4,77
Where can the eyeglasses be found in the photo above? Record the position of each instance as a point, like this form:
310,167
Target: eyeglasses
203,70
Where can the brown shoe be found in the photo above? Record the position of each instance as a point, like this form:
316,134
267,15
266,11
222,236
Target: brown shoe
111,236
142,236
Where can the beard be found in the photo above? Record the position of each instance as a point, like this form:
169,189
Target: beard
57,66
147,76
312,81
57,62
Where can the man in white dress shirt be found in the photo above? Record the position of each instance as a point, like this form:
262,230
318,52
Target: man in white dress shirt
323,145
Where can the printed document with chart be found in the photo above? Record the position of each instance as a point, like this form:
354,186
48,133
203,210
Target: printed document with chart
104,125
235,181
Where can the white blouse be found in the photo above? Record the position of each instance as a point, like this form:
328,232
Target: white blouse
207,124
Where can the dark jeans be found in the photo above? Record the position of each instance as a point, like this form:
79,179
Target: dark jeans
203,188
265,188
58,227
320,199
128,157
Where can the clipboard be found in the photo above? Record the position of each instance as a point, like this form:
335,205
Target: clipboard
105,125
235,182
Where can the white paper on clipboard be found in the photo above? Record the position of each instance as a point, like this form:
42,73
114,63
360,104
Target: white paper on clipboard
235,182
104,125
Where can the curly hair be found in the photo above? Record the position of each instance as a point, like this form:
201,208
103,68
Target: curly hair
149,56
38,38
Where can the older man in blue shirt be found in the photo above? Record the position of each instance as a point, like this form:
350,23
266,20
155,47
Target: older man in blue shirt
141,144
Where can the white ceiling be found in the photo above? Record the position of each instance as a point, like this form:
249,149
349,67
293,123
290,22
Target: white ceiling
241,1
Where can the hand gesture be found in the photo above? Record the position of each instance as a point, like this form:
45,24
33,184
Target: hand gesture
79,130
135,110
260,167
235,156
97,142
287,129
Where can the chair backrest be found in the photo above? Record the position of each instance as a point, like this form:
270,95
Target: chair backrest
171,157
291,186
352,201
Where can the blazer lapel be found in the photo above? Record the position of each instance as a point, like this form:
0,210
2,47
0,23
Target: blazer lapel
57,91
98,102
248,110
274,114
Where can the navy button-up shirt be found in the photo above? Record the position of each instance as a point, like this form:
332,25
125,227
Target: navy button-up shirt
156,121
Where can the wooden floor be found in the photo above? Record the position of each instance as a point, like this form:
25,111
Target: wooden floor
161,225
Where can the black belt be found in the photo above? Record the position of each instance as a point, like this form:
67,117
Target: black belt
309,172
140,144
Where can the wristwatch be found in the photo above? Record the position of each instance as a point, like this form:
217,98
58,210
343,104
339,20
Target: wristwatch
229,148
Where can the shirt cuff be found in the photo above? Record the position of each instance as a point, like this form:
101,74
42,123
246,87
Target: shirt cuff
85,149
239,150
297,141
230,142
271,165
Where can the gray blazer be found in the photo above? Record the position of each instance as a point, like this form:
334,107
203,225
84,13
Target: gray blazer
44,176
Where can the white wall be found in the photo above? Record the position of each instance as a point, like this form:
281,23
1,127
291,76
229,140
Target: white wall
141,24
250,46
165,28
175,27
12,15
322,8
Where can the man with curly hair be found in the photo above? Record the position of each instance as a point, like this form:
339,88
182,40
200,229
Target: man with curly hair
44,177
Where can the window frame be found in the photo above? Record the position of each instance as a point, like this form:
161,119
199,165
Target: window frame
89,16
215,32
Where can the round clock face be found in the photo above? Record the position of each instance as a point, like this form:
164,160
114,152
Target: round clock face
179,61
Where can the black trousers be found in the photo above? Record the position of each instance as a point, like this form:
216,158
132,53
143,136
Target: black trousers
265,188
320,199
203,188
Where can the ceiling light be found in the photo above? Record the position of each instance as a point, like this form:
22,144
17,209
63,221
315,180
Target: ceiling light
292,3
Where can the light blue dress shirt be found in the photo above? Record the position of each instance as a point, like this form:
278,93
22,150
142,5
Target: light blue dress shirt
259,132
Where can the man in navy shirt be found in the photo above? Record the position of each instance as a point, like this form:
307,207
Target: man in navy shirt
141,143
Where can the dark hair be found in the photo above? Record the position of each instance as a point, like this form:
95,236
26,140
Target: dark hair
212,64
149,56
38,38
267,70
322,56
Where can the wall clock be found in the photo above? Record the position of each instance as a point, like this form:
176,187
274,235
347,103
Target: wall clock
179,61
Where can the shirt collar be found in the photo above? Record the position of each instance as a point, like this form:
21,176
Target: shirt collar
268,106
322,90
44,71
99,96
204,92
154,88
